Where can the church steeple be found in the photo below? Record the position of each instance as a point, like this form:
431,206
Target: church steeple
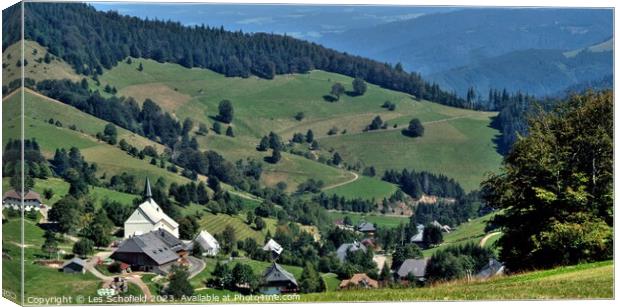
148,195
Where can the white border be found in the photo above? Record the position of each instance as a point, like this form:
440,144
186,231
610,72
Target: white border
484,3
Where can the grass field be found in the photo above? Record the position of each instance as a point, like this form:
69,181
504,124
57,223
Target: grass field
258,267
216,224
56,69
365,187
585,281
457,142
110,160
37,278
472,231
61,188
378,219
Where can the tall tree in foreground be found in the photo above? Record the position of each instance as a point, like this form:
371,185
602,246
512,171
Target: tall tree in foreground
556,187
179,285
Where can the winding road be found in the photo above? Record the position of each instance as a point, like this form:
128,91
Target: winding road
355,177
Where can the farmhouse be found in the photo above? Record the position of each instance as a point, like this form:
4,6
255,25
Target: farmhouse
359,281
345,248
12,199
412,269
208,243
75,265
276,280
366,227
155,251
149,216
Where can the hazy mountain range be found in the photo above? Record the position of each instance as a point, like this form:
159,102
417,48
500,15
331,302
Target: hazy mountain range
538,51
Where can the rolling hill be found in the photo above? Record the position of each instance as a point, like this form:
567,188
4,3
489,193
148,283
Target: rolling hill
263,105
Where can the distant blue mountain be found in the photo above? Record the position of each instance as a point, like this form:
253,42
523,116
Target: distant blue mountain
309,22
437,42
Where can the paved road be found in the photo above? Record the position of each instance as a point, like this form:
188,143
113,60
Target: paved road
197,266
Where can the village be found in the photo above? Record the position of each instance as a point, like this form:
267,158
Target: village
151,245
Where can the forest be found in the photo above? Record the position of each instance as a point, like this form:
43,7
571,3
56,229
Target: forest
91,41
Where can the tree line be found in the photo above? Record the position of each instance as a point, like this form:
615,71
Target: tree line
91,41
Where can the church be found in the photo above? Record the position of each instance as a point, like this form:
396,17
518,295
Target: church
149,217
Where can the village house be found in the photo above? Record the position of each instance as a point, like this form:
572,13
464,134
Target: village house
444,228
347,248
359,280
74,266
274,247
13,200
149,216
412,270
209,245
418,238
491,269
155,251
367,228
276,280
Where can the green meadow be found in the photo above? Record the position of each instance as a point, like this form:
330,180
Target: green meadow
378,219
457,143
584,281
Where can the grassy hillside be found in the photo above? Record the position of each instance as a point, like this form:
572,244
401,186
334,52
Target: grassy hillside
109,159
33,53
472,231
584,281
270,105
378,219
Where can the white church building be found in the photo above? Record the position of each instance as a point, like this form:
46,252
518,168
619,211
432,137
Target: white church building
148,217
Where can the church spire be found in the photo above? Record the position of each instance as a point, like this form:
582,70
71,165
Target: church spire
148,195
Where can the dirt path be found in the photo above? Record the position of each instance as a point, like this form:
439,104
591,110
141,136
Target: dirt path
484,240
355,177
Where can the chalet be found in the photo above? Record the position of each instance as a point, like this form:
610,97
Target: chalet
273,246
148,217
346,248
276,280
154,251
493,268
208,243
366,227
412,269
12,199
359,281
74,266
418,238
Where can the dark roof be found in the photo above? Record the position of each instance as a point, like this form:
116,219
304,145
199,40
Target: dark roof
159,245
75,260
415,266
30,195
345,248
491,269
147,189
275,273
365,226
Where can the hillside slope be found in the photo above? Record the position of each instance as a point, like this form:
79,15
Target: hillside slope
110,160
262,106
584,281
